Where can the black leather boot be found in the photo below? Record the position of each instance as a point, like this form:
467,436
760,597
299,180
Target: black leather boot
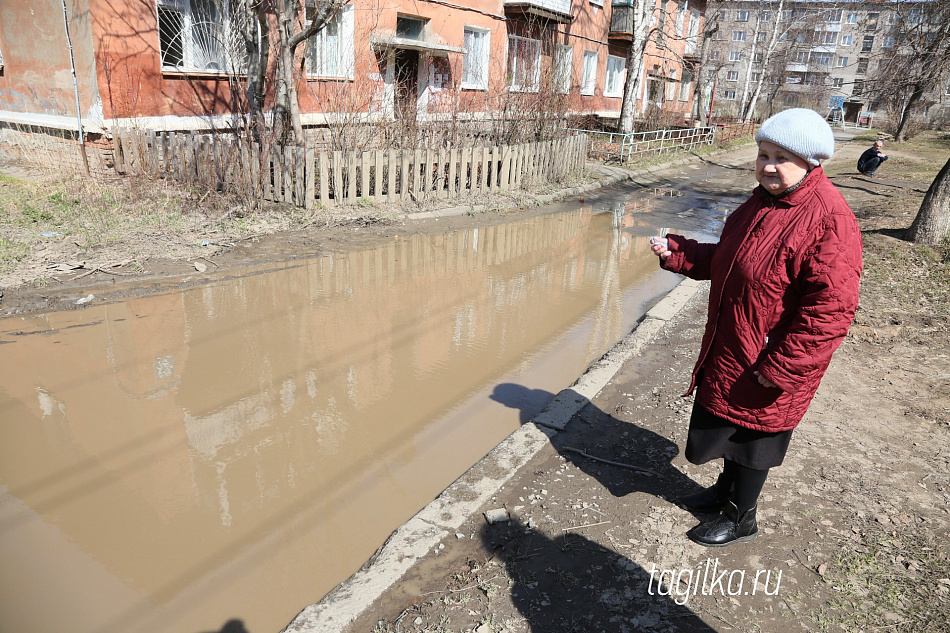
727,528
712,499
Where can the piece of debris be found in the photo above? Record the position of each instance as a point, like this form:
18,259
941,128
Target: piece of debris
86,299
200,267
496,516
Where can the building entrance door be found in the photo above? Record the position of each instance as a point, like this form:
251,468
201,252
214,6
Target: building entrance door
406,79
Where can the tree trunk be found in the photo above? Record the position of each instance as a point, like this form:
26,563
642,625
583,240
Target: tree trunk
932,224
900,134
766,61
632,85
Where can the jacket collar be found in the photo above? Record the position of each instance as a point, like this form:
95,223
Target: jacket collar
796,194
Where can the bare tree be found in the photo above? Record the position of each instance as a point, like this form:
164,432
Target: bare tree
921,41
642,13
932,224
294,27
774,30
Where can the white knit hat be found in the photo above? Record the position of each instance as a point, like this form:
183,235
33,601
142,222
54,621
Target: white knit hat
801,131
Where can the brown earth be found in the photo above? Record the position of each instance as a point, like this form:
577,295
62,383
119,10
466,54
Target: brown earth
856,520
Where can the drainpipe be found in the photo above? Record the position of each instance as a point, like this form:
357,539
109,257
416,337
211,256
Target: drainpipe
72,67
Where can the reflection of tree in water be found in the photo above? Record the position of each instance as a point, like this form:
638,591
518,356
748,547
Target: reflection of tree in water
570,583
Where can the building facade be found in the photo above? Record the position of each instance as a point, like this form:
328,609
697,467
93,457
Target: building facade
825,55
179,64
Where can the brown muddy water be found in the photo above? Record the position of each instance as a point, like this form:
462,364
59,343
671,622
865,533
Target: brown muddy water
233,451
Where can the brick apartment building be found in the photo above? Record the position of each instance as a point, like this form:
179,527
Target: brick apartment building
825,54
174,64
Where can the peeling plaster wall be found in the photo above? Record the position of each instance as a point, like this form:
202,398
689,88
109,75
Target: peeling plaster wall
36,76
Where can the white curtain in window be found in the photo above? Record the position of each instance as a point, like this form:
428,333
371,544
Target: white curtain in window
330,51
616,67
589,78
475,58
563,65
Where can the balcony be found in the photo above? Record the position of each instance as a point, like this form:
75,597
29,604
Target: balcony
621,22
555,10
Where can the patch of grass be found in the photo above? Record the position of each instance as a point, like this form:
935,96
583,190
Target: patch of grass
897,580
11,252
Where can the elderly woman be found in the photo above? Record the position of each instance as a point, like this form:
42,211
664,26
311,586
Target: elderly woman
784,290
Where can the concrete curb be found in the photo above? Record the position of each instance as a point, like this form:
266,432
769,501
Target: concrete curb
417,537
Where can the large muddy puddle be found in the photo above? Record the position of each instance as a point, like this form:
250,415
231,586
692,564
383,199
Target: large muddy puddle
234,450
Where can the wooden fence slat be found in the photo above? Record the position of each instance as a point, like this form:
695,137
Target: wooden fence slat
391,176
453,172
324,179
309,168
338,194
440,181
404,174
378,175
300,184
364,175
351,172
505,168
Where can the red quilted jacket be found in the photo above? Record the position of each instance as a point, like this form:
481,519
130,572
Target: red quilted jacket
785,277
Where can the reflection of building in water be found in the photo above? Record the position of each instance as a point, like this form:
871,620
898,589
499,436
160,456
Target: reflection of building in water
196,417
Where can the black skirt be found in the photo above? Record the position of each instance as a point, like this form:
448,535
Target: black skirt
711,437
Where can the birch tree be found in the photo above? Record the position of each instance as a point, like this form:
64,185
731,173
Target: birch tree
767,55
643,13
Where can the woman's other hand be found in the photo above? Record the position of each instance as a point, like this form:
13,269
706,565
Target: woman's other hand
765,382
660,247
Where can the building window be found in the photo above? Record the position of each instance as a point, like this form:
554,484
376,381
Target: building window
833,16
680,20
563,65
713,54
194,35
671,86
589,77
738,36
330,51
759,58
475,46
888,42
742,16
763,36
616,69
800,57
821,59
867,44
732,75
847,40
686,86
871,24
721,14
862,66
766,16
826,37
524,64
842,62
735,56
852,18
837,82
730,95
754,77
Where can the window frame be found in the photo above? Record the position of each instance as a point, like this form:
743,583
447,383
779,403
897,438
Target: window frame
738,36
346,60
735,56
742,16
618,92
589,74
732,75
190,48
729,95
480,81
563,70
513,73
841,62
850,40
